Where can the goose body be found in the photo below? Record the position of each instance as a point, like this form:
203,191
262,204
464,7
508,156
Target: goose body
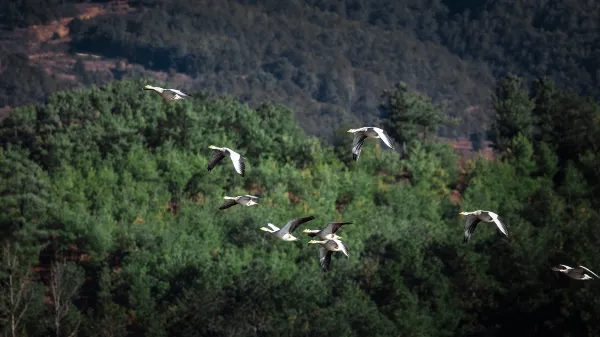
474,218
578,273
285,233
327,233
367,132
222,152
168,94
326,250
246,200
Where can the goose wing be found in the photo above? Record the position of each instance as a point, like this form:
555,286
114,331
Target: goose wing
498,223
238,162
590,272
332,227
293,224
342,247
251,196
357,144
228,204
179,92
470,226
384,136
324,258
215,159
561,267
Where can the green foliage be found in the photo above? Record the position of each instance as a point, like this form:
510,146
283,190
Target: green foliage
116,177
513,109
22,82
410,116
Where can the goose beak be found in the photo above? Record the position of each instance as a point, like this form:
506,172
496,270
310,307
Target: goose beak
349,130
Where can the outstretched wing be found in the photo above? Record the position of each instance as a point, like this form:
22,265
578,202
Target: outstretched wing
324,258
293,224
470,226
384,136
342,246
590,272
332,227
498,223
228,204
238,162
357,144
564,266
215,159
179,92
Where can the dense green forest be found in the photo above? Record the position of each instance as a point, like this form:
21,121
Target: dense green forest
110,222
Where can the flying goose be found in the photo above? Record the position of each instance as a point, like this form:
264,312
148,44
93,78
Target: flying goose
327,233
473,218
285,233
222,152
367,132
168,94
246,200
575,273
326,249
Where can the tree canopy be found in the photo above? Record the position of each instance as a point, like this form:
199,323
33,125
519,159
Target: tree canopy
110,182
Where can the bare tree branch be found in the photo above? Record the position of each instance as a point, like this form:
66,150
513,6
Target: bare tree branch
64,286
16,289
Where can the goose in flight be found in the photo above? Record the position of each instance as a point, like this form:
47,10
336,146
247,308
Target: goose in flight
326,250
246,200
222,152
168,94
367,132
473,218
285,233
327,233
578,273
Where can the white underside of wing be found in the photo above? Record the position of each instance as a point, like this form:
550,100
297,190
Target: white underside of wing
342,247
590,272
565,266
273,227
235,159
498,223
384,137
178,92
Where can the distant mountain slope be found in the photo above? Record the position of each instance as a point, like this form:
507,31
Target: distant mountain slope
330,69
329,60
532,38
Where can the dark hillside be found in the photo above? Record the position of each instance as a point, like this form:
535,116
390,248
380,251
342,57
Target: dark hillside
556,38
329,69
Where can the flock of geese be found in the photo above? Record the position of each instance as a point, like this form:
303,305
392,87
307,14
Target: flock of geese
329,241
